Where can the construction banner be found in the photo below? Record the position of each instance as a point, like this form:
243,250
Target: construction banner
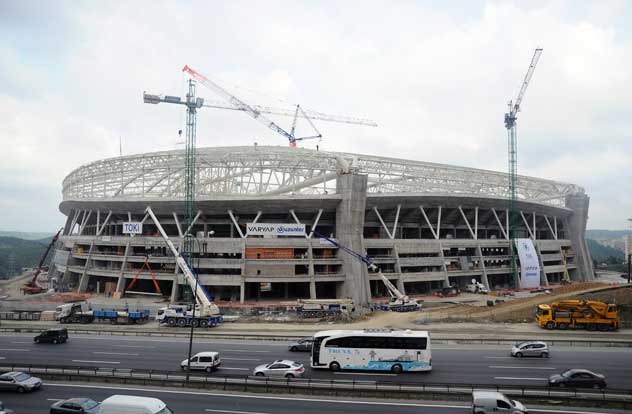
529,264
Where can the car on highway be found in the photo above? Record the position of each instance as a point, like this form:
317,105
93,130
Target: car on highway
206,361
281,368
75,406
19,381
487,402
530,349
303,345
55,336
128,404
4,410
578,378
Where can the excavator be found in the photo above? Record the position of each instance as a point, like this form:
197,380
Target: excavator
398,302
32,287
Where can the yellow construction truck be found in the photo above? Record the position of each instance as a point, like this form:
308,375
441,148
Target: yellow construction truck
578,314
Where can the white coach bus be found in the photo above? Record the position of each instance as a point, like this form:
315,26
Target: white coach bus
372,350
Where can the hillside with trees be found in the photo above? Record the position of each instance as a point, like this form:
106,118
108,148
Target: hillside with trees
17,253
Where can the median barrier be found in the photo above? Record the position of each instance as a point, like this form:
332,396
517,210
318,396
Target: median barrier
436,338
386,389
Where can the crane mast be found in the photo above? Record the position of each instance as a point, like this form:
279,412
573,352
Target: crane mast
510,124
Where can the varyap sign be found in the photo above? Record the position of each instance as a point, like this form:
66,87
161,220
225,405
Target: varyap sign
274,229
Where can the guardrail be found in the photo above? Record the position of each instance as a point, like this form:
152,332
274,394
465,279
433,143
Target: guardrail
175,332
387,389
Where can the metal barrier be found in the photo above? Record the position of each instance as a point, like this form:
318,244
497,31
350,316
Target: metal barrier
622,397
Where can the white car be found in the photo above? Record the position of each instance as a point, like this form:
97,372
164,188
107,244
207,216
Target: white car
206,361
488,402
281,368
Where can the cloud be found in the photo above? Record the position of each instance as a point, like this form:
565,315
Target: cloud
436,78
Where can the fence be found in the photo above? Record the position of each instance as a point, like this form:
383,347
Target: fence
620,397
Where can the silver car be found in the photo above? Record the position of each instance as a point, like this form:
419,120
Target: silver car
19,381
281,368
530,349
304,345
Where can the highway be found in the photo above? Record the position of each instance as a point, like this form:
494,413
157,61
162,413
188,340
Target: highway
462,364
200,402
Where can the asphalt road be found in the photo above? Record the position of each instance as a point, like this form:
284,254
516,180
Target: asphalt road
185,402
462,364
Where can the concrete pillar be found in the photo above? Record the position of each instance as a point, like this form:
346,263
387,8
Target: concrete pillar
310,272
577,230
120,285
68,223
484,278
446,279
174,289
83,282
242,292
349,229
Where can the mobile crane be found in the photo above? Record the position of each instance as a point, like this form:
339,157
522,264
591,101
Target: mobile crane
398,302
205,313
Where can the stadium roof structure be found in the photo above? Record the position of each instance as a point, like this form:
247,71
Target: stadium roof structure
262,171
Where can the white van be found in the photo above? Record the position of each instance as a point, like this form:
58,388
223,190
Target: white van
207,361
131,404
488,402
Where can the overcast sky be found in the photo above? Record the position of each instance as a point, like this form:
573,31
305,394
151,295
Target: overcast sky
436,77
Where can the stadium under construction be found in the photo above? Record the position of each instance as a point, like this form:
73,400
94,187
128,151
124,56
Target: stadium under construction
425,225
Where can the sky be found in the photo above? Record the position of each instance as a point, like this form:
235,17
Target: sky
435,75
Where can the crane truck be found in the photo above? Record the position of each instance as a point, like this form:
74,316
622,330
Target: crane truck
204,312
578,314
32,286
398,302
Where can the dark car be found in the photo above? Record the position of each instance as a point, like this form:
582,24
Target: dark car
304,345
75,406
578,378
55,336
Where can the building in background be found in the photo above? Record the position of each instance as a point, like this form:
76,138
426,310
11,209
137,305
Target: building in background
425,225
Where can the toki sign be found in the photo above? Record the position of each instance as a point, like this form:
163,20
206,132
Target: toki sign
274,229
132,227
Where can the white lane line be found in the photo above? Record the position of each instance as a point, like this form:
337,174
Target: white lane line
508,367
95,362
134,346
521,378
240,359
3,357
363,373
236,369
232,412
114,353
23,342
243,350
15,350
494,357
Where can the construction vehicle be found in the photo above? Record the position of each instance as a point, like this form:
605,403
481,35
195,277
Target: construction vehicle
318,308
82,313
33,286
476,287
398,301
204,313
578,314
448,292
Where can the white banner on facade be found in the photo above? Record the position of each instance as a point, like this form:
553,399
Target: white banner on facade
275,229
132,227
529,264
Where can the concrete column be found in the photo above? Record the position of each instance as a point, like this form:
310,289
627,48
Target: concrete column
310,272
577,230
484,279
174,290
242,292
68,223
349,229
120,285
83,282
398,269
446,279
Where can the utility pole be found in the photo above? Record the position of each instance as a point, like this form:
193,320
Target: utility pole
510,124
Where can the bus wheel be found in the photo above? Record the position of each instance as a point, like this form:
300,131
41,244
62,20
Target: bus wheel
334,366
396,369
550,325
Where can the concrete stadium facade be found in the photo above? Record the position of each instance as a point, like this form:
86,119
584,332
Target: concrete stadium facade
425,225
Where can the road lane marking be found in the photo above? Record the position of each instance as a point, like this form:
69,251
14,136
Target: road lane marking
509,367
15,350
495,357
314,400
232,412
242,350
133,346
521,378
23,342
363,373
240,359
114,353
237,369
3,357
96,362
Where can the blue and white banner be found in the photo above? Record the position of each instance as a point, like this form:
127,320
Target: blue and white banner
275,229
529,264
